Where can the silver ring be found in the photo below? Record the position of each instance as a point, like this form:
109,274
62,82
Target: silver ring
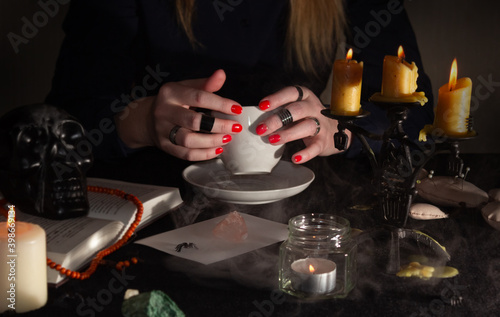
318,126
173,134
285,116
301,93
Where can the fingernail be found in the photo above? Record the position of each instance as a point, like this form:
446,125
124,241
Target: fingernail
261,129
219,150
226,138
237,127
236,109
297,158
274,138
264,105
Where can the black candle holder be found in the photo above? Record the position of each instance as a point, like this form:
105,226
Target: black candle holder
395,167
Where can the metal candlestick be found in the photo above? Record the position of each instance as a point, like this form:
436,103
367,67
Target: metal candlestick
395,167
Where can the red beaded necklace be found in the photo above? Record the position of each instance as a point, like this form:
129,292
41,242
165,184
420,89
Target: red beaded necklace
98,259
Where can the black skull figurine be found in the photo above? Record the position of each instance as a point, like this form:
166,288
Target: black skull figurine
44,156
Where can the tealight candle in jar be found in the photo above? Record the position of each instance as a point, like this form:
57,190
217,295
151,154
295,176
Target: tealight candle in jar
318,260
314,275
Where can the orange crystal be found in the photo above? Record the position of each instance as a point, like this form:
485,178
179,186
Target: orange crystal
232,227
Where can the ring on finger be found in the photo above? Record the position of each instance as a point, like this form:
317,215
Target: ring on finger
173,134
285,116
206,123
300,91
318,126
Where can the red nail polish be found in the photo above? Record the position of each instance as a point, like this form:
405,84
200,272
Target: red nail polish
219,150
237,127
236,109
274,138
226,138
261,129
264,105
297,158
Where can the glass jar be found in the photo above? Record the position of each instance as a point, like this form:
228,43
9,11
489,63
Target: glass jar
318,260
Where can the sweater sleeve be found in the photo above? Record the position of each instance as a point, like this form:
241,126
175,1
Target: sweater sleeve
376,29
96,67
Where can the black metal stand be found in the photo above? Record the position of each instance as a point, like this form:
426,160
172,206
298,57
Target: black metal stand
399,162
397,166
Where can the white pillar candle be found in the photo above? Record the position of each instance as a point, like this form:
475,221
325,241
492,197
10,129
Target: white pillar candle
314,275
23,266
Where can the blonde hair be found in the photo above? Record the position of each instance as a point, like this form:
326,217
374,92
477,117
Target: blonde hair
184,14
314,28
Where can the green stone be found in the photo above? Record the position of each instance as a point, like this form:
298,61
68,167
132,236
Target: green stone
151,304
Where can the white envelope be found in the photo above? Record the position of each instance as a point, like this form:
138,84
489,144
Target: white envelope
210,249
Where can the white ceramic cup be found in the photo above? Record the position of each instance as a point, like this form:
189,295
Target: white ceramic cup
249,153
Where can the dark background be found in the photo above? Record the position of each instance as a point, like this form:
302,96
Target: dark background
467,30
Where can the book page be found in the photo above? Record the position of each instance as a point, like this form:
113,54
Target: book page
83,240
156,201
73,242
105,206
63,235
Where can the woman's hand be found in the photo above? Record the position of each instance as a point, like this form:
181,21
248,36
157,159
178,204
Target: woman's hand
299,118
170,120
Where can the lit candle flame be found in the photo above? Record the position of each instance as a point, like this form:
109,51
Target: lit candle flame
401,53
311,268
348,56
453,75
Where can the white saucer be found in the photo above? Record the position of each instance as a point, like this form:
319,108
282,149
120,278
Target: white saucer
216,182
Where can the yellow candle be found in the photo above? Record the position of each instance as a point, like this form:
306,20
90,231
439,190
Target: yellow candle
346,86
399,78
23,266
453,106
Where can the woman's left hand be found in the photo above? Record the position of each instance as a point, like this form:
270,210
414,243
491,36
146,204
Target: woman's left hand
299,118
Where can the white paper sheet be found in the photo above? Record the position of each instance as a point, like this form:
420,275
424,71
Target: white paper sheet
261,233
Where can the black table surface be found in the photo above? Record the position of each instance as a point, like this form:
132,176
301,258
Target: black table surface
247,285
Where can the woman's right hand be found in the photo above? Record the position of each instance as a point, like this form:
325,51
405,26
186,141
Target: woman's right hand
149,121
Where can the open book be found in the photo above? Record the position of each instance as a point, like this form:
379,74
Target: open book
74,242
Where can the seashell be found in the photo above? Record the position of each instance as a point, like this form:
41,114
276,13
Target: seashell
491,213
422,211
130,293
423,173
451,191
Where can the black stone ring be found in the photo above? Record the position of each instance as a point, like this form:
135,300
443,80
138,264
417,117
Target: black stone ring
207,123
285,117
173,134
301,93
